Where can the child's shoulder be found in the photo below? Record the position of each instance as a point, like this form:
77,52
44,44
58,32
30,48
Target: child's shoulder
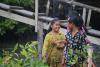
61,33
81,34
68,34
51,34
48,35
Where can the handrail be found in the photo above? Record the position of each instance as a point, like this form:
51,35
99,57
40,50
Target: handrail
25,12
82,5
30,14
18,10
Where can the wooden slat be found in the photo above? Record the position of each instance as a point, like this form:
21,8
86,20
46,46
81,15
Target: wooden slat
36,15
89,17
20,18
82,5
17,17
47,7
94,32
84,14
22,11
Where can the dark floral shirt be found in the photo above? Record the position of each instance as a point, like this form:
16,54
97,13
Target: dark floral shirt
74,49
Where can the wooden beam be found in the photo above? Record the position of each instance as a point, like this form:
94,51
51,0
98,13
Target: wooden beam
36,15
39,30
17,17
20,18
22,11
82,5
47,7
27,13
89,17
84,15
94,32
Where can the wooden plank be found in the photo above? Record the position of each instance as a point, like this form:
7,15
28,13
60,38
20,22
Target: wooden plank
27,13
39,30
47,7
84,14
22,11
94,32
94,40
89,17
36,15
17,17
20,18
82,5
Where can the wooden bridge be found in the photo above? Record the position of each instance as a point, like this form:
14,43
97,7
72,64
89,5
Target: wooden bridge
41,21
20,14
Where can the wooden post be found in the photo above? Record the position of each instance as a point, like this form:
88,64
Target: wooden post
89,17
40,38
39,30
36,15
47,7
84,15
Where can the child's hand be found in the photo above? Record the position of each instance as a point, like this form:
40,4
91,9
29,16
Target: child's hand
60,44
53,41
63,62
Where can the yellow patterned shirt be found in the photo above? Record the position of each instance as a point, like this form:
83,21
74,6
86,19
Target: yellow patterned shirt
49,50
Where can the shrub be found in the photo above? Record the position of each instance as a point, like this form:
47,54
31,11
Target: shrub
23,56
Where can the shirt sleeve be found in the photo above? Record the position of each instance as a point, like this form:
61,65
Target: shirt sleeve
45,46
83,40
63,36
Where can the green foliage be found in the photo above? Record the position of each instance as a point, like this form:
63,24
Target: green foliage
23,56
5,25
17,28
22,28
74,57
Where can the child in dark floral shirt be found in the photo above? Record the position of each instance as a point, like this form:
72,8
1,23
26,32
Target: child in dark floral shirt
75,51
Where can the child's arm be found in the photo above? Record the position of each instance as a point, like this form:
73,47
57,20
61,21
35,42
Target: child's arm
63,60
44,49
61,43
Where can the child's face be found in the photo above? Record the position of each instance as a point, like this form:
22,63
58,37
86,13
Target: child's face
70,26
56,26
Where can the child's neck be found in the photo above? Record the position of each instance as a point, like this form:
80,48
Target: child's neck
54,32
74,31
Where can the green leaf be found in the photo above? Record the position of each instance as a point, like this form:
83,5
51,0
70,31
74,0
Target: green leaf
24,52
15,48
21,46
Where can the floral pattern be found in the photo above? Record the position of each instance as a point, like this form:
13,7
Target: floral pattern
75,51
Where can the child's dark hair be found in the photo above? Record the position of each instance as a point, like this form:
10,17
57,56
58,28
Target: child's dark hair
51,23
76,19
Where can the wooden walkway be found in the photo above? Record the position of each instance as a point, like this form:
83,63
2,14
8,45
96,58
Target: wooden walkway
25,16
